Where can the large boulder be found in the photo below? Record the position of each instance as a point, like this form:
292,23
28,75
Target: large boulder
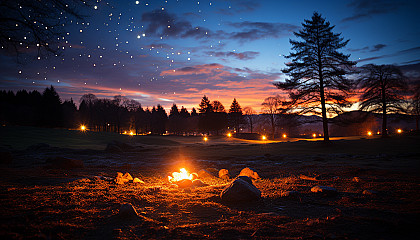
249,172
127,211
240,190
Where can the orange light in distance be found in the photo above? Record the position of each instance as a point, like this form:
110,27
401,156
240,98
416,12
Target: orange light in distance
83,128
205,139
284,136
399,130
369,133
229,134
264,137
314,135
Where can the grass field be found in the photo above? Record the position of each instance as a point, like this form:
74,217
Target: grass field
42,201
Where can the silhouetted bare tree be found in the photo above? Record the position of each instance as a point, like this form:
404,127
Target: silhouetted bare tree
383,87
27,25
317,82
250,116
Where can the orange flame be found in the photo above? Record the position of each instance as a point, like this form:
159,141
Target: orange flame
178,176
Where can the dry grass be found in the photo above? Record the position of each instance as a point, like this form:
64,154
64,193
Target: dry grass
43,203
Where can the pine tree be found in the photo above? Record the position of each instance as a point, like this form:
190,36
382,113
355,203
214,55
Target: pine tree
317,82
235,115
383,87
205,106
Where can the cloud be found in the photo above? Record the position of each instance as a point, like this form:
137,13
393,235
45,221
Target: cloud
368,8
378,47
247,55
162,23
373,48
257,30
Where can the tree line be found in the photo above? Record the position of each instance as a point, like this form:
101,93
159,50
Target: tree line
119,114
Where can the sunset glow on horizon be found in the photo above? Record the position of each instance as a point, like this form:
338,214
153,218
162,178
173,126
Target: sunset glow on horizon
165,52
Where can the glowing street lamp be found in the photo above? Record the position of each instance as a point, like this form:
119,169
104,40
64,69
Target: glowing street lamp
264,138
284,136
131,133
314,135
229,134
83,128
205,139
399,130
369,133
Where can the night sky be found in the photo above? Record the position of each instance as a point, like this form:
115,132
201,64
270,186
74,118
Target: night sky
165,52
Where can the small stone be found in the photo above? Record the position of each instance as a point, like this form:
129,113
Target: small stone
324,190
137,180
205,174
119,174
224,174
120,181
240,190
127,211
249,173
128,176
184,183
356,179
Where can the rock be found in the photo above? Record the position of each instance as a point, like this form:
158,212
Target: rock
224,174
205,174
289,194
245,178
6,157
127,211
198,183
184,183
329,191
64,163
356,179
137,180
121,179
128,176
240,190
369,192
249,173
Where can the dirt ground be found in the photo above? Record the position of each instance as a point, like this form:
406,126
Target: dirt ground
377,182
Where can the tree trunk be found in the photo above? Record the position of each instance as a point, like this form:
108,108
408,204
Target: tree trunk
272,126
324,110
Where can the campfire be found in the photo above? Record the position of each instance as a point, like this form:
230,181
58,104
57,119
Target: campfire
183,179
181,175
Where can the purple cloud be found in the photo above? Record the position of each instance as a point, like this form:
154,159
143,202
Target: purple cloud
247,55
